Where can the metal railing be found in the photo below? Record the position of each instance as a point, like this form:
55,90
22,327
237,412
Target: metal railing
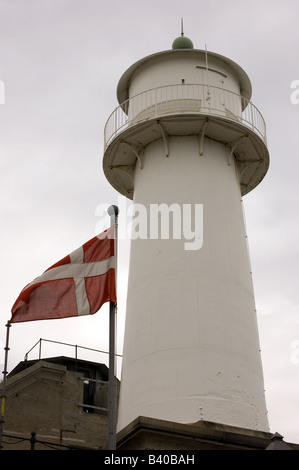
75,346
181,99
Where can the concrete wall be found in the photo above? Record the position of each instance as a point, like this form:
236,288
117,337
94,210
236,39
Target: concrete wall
44,398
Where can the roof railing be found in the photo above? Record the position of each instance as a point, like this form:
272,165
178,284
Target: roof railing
75,346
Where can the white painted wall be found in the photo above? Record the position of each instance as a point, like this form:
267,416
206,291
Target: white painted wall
171,69
179,68
191,347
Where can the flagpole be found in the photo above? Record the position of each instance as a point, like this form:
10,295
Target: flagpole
113,212
3,394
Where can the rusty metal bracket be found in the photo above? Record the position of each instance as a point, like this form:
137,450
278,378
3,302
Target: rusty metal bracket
165,139
233,146
201,137
138,155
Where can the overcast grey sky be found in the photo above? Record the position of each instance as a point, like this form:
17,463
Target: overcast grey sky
60,62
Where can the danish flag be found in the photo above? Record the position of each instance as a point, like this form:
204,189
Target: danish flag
79,284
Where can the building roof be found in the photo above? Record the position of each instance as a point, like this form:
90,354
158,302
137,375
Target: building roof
68,362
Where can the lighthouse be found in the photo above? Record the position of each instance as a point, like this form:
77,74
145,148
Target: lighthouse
185,145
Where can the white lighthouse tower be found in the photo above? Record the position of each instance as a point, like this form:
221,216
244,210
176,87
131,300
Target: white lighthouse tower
186,136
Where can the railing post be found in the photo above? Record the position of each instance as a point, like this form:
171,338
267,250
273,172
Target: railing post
115,121
32,440
40,348
252,124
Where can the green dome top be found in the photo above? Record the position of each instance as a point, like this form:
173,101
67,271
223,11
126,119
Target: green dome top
182,42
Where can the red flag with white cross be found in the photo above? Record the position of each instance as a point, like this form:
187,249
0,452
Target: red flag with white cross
79,284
